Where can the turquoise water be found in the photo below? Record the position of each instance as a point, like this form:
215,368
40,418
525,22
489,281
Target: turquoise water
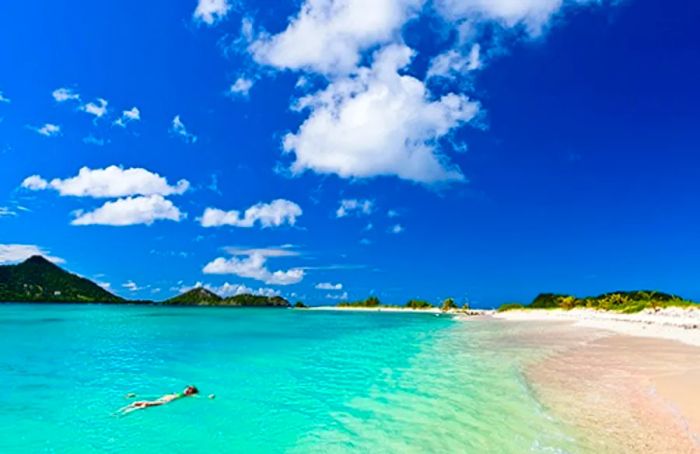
285,381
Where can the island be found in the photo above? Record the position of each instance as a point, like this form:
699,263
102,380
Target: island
200,296
38,280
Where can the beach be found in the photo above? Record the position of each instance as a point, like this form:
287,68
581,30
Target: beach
629,381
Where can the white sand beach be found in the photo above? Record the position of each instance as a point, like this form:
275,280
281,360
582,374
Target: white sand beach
677,324
633,377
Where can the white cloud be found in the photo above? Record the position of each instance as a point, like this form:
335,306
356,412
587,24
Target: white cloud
329,286
378,119
12,253
98,109
131,286
392,214
48,130
92,140
342,297
273,214
6,212
286,250
398,228
453,63
379,122
178,128
131,211
253,266
227,290
4,99
211,11
328,36
241,86
354,206
127,117
534,15
65,94
112,181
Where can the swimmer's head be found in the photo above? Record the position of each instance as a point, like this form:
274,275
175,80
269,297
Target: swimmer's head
190,391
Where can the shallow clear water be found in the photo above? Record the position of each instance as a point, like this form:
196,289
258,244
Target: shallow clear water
285,381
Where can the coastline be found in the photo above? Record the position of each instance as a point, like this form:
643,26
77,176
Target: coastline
432,310
682,325
628,382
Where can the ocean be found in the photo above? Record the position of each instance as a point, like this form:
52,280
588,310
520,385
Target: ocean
283,380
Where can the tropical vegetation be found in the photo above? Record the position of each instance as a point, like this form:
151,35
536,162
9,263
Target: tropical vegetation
620,301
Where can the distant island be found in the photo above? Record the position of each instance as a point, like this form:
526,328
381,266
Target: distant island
622,301
37,280
200,296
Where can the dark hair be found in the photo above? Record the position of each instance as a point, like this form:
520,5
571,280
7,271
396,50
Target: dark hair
191,390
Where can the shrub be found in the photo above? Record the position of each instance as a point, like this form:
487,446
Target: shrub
418,304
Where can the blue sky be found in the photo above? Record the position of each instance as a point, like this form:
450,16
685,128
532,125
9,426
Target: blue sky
324,149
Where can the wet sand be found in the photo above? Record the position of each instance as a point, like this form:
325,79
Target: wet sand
619,393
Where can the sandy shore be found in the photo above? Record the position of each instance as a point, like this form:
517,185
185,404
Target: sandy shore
629,382
433,310
677,324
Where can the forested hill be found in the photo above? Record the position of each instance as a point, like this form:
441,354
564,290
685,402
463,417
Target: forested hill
38,280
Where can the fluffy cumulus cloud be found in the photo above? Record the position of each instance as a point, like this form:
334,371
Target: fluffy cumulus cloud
13,253
375,116
47,130
110,182
274,214
227,289
329,286
178,129
379,122
241,87
97,108
252,264
65,94
211,11
328,36
127,117
354,207
130,211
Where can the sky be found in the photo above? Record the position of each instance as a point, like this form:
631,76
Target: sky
326,150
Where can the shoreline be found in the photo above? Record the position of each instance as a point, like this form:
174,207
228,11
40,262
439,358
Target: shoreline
432,310
621,392
676,324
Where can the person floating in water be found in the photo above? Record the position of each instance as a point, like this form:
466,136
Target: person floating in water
166,399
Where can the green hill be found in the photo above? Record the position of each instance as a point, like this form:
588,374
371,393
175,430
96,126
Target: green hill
202,297
38,280
196,297
247,300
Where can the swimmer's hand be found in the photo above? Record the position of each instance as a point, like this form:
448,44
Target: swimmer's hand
212,396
